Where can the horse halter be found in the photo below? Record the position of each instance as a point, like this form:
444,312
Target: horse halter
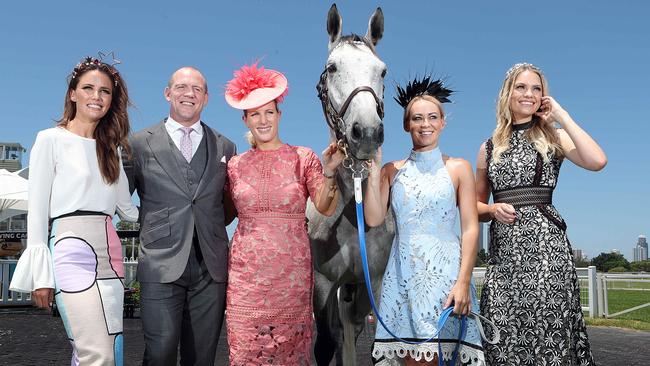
335,119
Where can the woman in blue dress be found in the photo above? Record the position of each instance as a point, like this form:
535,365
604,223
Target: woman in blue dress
430,267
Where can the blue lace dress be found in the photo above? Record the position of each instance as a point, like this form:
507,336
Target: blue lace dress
423,266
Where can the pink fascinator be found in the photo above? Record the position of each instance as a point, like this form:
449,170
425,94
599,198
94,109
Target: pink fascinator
254,86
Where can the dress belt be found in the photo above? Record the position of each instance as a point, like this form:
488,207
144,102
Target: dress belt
79,213
272,215
525,196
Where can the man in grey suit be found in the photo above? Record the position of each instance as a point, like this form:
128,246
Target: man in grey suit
178,168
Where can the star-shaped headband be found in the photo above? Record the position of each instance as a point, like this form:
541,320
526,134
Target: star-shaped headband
113,60
101,60
426,86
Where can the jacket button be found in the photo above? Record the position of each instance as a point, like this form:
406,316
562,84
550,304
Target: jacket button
193,201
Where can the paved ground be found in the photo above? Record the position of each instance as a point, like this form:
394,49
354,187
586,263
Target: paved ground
33,337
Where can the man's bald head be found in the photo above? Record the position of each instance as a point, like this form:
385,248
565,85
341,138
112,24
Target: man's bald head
187,70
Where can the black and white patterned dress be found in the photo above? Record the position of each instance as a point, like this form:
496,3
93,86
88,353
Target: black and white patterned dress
531,288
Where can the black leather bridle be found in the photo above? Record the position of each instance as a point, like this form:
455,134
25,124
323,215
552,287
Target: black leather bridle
335,119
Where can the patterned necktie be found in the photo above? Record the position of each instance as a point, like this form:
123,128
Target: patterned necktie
186,143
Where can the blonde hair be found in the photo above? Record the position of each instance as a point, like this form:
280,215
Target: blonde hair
250,139
428,98
542,135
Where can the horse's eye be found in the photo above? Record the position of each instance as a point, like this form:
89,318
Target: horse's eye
331,68
383,73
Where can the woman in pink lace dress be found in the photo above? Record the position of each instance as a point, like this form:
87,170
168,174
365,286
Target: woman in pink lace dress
270,277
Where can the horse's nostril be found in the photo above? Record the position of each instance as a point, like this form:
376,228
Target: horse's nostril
357,131
380,133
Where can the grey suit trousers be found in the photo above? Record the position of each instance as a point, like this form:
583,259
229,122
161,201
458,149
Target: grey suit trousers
189,309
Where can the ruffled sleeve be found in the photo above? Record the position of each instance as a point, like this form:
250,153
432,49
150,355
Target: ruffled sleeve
34,268
313,172
125,208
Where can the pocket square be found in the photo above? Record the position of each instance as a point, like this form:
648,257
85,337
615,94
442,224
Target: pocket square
223,159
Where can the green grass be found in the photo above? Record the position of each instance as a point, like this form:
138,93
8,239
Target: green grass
619,300
623,299
620,323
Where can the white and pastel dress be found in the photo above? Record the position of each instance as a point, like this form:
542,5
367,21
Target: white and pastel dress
81,258
422,268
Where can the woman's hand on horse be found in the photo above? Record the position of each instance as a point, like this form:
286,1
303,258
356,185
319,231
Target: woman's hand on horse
503,212
459,296
332,158
43,297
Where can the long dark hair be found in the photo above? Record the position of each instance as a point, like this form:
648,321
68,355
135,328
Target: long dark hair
113,129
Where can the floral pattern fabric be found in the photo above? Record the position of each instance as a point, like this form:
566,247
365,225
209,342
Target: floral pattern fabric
270,280
423,267
531,288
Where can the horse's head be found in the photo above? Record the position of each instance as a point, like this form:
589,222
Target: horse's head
352,86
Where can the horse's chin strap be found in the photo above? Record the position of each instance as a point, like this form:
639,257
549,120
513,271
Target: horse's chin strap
358,198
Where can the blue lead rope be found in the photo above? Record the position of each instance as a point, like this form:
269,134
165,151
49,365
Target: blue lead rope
358,197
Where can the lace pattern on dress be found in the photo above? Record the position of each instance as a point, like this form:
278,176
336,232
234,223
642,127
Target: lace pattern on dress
531,290
392,353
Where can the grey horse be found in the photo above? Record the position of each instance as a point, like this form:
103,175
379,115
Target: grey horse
351,89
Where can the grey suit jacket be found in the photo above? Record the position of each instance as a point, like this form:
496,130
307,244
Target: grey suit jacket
169,212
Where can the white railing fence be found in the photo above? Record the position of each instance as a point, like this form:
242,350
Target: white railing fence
12,298
621,282
588,287
130,267
593,287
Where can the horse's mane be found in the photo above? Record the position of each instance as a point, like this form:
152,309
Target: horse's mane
354,40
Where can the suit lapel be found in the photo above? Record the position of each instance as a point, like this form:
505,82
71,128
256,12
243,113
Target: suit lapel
215,153
159,144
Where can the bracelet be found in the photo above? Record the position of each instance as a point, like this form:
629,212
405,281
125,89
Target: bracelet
330,176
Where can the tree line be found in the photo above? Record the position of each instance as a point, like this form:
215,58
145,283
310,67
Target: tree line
604,262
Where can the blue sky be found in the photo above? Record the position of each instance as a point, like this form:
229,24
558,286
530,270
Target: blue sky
595,55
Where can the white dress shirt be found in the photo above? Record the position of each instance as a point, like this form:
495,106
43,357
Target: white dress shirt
175,132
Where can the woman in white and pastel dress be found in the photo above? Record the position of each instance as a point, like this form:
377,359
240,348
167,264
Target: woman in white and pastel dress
76,185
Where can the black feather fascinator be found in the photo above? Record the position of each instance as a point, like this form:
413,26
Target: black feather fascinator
426,86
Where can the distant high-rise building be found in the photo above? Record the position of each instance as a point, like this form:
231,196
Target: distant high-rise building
641,249
11,156
577,255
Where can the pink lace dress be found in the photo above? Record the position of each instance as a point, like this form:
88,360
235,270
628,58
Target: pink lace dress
270,278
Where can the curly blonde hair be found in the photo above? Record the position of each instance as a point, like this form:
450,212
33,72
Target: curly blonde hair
542,135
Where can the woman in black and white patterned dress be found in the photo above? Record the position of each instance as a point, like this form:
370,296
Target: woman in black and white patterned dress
531,288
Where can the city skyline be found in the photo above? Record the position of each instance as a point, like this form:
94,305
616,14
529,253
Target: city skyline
641,249
593,57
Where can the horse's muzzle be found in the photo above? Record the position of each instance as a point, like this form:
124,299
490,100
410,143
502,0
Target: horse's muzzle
368,135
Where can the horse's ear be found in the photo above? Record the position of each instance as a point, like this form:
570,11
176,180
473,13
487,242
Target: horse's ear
334,25
375,27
